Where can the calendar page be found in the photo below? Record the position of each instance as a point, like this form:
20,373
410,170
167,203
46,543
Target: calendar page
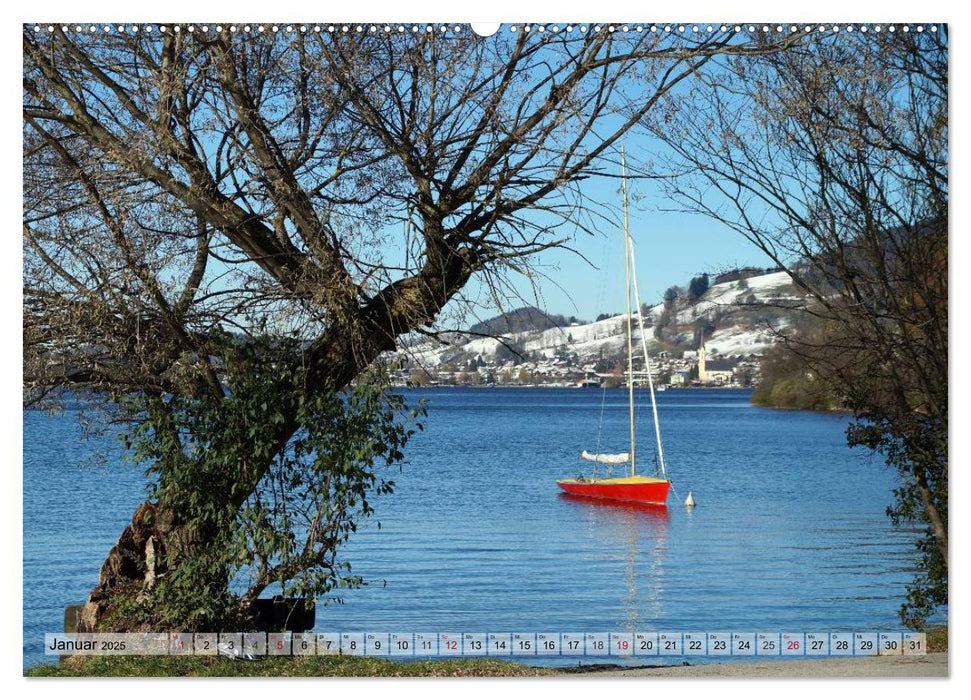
383,348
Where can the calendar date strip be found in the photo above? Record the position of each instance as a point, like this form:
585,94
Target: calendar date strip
251,645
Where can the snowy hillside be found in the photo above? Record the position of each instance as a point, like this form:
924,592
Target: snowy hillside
740,313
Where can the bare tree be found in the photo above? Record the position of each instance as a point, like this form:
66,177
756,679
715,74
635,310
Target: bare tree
191,194
832,159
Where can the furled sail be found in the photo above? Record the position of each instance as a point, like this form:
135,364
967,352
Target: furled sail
622,458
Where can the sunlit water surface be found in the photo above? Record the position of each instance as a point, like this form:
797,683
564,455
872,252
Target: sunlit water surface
789,533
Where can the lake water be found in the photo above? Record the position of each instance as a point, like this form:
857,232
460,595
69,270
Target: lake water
789,533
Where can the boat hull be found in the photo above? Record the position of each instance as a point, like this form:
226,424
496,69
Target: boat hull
640,489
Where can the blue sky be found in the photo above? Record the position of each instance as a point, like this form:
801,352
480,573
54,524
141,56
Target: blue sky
671,246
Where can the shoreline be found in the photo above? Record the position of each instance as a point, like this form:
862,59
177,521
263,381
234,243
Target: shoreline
932,665
712,387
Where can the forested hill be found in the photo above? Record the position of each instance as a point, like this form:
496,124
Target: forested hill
527,318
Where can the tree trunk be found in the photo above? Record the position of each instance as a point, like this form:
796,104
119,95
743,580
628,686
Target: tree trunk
940,529
155,535
131,567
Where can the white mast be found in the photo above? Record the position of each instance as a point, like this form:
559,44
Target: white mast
647,366
630,332
640,323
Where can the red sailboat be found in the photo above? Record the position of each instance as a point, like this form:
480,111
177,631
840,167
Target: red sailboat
642,489
633,487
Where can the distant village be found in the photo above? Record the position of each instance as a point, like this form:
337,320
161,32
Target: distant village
692,369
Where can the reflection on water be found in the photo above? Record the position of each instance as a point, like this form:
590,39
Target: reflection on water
632,528
655,511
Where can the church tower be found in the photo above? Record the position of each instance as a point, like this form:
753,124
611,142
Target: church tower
702,374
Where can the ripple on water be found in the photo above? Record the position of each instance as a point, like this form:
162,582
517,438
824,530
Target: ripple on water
790,530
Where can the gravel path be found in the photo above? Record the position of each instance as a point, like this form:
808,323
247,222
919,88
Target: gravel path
929,666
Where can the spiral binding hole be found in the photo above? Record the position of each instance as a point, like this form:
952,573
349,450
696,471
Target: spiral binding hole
457,30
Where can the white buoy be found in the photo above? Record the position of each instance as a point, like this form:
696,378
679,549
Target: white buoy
689,501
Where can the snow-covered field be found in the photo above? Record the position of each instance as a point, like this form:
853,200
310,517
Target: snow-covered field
729,294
